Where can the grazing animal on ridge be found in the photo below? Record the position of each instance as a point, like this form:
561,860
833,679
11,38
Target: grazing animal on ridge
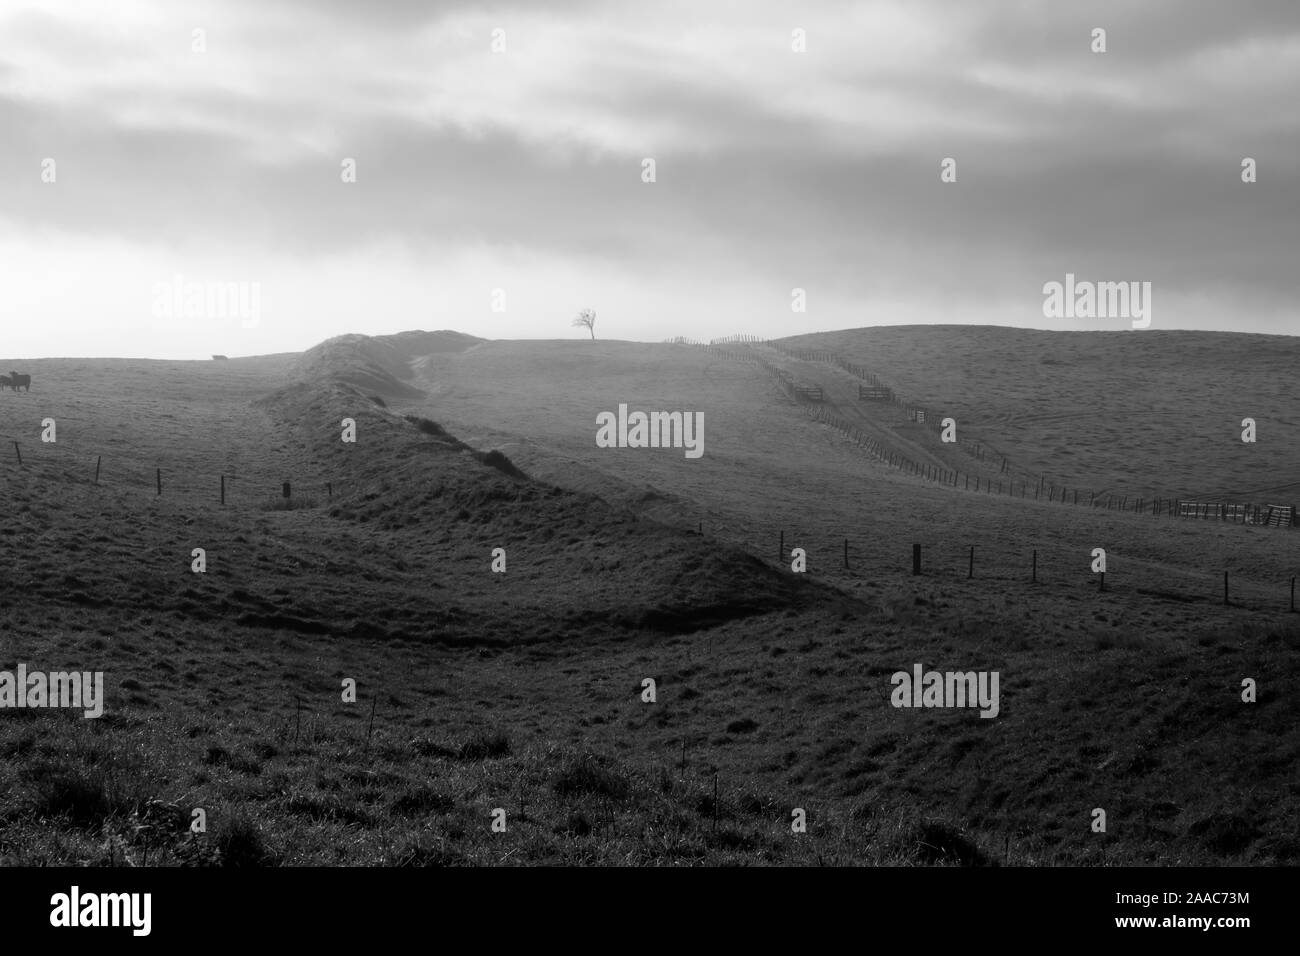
21,381
6,382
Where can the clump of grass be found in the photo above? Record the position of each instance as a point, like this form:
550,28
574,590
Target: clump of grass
79,795
239,842
1227,834
483,746
218,756
587,774
933,842
378,401
422,800
425,747
88,791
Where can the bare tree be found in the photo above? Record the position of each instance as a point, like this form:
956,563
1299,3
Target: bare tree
587,320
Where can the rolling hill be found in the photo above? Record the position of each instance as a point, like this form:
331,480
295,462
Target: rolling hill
525,690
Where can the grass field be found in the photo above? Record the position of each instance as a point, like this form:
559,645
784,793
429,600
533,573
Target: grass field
523,690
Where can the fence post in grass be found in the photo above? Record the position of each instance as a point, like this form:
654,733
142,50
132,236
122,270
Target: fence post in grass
1102,585
1293,594
1225,588
970,573
329,489
715,803
297,716
223,489
846,552
285,491
19,452
683,755
916,559
158,478
1034,579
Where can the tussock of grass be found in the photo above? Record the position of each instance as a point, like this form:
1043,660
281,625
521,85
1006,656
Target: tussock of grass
239,842
484,746
587,774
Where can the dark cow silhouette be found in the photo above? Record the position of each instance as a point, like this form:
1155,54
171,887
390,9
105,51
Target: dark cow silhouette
20,381
6,382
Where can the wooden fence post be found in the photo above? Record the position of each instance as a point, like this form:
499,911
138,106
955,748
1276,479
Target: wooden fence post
98,462
1102,586
1035,577
846,552
223,489
1225,588
970,573
19,452
1293,594
158,477
285,490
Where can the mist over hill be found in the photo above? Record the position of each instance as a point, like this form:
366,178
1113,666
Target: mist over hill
501,589
380,364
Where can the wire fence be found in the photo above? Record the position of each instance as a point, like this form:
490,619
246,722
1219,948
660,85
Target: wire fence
1015,569
1007,480
191,480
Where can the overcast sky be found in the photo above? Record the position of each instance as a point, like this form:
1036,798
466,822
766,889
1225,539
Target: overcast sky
220,160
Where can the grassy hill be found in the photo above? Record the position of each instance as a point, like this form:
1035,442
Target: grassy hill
523,690
1150,413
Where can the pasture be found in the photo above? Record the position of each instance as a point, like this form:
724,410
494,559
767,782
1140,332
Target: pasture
523,690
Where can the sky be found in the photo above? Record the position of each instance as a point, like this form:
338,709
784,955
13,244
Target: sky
169,193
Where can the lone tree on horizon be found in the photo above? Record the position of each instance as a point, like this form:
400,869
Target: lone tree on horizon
587,320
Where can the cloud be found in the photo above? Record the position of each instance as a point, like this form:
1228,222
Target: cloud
774,168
